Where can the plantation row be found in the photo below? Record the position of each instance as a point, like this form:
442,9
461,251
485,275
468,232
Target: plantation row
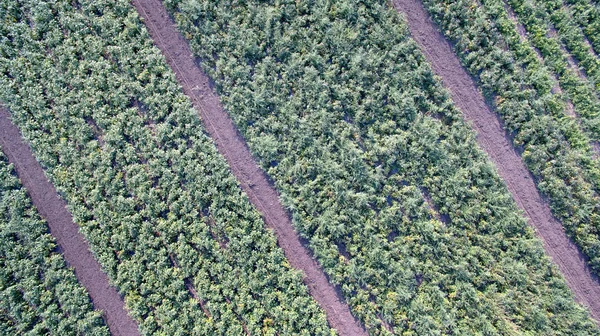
379,171
39,295
587,15
157,203
553,147
536,17
570,33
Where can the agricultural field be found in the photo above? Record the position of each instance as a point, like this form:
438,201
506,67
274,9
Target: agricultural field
39,295
158,205
547,100
307,167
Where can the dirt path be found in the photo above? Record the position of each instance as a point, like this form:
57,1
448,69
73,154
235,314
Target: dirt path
73,245
252,179
493,139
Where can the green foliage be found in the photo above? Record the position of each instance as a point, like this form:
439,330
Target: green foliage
572,35
381,174
39,295
161,210
587,15
554,148
537,18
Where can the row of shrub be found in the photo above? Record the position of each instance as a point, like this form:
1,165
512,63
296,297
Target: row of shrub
39,294
573,37
158,204
554,148
541,19
381,175
587,14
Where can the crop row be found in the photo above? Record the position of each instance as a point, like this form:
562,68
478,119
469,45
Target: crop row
587,14
581,91
38,294
553,147
161,210
380,173
573,37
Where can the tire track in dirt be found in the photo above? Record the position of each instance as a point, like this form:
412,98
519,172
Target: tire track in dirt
71,242
252,179
493,139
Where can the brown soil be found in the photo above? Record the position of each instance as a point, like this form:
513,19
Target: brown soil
70,241
253,180
493,139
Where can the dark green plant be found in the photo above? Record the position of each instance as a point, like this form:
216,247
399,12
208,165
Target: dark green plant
39,295
159,206
381,174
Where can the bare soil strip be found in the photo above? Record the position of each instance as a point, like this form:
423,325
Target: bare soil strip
253,180
493,139
71,242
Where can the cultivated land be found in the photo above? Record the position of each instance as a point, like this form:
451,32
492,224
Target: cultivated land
158,205
195,84
71,243
39,295
315,91
493,140
386,183
517,66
